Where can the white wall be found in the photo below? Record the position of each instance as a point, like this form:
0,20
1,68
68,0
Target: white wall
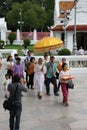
70,41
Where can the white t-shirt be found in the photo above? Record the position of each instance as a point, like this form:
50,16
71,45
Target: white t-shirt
24,51
81,51
64,73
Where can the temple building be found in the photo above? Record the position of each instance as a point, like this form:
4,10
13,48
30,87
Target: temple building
70,23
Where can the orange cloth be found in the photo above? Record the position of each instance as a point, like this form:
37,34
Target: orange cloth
67,77
59,66
30,68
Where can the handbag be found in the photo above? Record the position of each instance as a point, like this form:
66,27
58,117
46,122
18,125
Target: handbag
57,75
11,104
70,84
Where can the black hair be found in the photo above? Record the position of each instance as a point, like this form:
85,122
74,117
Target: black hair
15,54
64,65
18,59
32,59
9,57
16,78
6,74
45,55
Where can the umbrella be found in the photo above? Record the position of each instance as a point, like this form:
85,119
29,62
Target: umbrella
47,44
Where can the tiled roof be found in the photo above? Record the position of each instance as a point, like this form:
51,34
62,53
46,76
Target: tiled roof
71,28
65,6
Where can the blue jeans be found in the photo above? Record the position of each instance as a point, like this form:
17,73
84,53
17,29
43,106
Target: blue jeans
53,81
14,121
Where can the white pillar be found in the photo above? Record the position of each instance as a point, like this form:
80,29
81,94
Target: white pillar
35,35
51,33
3,34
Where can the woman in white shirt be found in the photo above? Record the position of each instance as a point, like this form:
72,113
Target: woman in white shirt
25,50
9,66
39,70
63,81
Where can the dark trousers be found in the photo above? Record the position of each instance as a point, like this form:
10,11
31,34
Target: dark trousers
14,121
59,86
27,78
31,80
53,81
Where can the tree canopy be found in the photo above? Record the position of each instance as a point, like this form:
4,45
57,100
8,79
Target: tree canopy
31,14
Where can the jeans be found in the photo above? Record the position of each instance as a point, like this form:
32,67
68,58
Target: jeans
14,121
53,81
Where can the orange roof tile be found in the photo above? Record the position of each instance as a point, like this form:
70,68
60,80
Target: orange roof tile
71,28
64,6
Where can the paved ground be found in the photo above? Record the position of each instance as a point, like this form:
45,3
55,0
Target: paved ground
49,113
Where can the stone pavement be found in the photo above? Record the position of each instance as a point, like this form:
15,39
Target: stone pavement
49,113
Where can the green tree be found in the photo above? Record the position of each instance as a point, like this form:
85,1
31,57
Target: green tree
13,17
30,22
5,6
35,14
41,16
11,37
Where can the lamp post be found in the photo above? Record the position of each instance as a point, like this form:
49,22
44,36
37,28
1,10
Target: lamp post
75,41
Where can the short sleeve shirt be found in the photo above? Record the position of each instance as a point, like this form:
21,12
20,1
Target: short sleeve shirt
52,68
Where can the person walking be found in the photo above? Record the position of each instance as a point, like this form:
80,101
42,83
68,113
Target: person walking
63,82
9,66
15,115
26,62
18,69
39,71
25,50
30,72
50,76
59,68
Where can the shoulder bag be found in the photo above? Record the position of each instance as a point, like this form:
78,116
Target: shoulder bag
70,84
10,104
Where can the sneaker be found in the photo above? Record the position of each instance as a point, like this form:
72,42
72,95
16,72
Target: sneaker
40,96
48,94
32,88
56,94
66,104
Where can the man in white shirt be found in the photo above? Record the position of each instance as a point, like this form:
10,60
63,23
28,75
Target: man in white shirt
81,51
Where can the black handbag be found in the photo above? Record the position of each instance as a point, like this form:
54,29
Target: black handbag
11,104
70,84
57,75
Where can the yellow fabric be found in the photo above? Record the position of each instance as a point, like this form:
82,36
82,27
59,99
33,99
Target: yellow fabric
47,44
59,66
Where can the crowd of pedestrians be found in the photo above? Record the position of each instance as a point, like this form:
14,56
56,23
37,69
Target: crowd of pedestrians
37,73
31,74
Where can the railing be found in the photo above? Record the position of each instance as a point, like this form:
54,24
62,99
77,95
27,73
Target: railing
73,61
8,51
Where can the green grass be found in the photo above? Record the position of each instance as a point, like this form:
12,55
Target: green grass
19,48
